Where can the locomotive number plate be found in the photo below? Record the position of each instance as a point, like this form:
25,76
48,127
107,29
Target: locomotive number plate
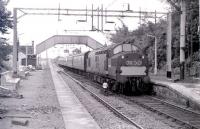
129,63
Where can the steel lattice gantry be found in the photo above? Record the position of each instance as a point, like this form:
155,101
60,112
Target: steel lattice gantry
67,39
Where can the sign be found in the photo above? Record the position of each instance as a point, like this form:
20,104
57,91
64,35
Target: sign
134,62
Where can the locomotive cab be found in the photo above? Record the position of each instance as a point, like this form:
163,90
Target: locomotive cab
129,66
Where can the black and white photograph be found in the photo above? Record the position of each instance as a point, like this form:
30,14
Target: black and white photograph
99,64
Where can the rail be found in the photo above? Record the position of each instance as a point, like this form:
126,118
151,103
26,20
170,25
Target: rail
111,108
177,113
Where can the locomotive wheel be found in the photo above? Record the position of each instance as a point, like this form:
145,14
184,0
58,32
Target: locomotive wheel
133,88
123,88
128,88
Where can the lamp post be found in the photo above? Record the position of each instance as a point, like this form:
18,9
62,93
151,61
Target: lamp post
155,53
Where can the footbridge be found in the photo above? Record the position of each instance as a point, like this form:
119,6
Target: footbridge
67,39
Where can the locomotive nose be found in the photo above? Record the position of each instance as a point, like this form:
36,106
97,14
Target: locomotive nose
132,65
132,59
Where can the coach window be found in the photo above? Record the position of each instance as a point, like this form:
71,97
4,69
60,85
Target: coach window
126,47
117,49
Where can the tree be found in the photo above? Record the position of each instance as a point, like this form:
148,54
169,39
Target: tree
121,35
139,37
5,49
192,18
5,18
5,24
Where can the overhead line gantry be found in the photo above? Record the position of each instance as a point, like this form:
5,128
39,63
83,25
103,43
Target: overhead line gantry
99,12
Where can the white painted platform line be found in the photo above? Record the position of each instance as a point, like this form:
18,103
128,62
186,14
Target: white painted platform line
75,115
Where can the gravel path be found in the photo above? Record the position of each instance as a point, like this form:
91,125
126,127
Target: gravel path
39,105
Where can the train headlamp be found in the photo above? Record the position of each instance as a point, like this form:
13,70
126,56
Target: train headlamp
142,57
122,57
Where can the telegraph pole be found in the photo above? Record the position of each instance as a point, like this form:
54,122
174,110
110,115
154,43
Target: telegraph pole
169,45
92,19
199,26
98,20
182,39
102,17
156,61
140,17
155,52
155,17
15,46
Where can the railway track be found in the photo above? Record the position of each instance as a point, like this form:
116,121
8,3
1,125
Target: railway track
183,116
186,117
110,107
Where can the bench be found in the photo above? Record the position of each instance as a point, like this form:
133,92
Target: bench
8,81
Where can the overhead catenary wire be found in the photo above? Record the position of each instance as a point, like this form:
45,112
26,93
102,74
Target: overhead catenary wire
111,3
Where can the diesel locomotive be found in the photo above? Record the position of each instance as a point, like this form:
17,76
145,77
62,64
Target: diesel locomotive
123,66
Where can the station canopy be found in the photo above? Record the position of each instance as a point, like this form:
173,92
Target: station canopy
67,39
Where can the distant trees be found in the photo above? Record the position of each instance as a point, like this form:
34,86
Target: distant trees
192,21
122,34
5,24
5,19
139,36
192,35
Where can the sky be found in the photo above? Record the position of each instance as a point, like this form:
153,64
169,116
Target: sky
39,28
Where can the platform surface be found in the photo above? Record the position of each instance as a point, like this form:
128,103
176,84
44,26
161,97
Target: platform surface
38,104
75,115
188,90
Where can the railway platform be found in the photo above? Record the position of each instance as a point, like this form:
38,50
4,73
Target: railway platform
47,103
36,108
186,91
75,115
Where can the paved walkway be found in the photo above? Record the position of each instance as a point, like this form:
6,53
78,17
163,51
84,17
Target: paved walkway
74,113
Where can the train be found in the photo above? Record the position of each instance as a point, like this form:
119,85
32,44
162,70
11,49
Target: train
124,67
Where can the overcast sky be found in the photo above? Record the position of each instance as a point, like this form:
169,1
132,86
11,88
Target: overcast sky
39,28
